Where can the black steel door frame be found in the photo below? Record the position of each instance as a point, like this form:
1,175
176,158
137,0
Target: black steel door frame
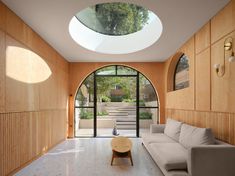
138,107
137,99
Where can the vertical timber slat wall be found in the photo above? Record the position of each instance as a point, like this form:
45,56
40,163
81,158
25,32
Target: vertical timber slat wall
33,94
214,96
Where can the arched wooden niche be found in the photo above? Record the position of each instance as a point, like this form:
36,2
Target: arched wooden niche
178,72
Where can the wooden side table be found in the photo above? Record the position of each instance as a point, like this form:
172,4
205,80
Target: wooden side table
121,147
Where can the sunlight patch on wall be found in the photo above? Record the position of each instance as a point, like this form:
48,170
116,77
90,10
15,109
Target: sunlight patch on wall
25,66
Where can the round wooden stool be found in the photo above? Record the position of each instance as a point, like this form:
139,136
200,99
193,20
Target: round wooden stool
121,147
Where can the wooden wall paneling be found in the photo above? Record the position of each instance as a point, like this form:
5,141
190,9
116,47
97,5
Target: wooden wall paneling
215,96
16,27
62,64
41,131
25,130
1,143
62,89
62,123
2,72
202,38
222,124
21,93
170,66
232,128
49,90
223,88
224,22
65,122
203,92
2,16
54,117
189,50
184,98
36,124
26,135
39,46
63,82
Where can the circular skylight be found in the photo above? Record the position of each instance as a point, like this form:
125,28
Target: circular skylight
115,28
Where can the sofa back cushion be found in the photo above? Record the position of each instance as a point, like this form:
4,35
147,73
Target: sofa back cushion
173,128
193,136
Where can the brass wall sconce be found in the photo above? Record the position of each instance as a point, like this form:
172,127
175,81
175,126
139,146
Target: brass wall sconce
228,47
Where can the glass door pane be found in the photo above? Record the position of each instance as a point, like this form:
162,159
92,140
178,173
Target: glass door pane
148,97
122,70
147,116
84,109
148,103
111,70
84,126
116,106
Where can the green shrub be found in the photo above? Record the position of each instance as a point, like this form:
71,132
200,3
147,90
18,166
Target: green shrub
105,99
145,115
141,103
102,113
128,100
86,114
116,99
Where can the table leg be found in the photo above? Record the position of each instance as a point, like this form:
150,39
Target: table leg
112,159
131,158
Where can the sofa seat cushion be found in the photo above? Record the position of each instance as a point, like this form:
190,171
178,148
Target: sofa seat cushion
149,138
192,136
172,129
172,156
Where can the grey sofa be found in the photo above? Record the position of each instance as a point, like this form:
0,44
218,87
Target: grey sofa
183,150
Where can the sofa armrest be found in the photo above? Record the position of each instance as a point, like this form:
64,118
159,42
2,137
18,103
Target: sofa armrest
157,128
211,160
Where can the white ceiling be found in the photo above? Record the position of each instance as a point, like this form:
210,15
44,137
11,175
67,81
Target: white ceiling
180,20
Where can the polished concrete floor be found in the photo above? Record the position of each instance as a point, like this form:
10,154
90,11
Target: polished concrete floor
91,157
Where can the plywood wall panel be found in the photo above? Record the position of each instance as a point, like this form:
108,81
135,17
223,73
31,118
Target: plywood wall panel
21,93
15,27
223,23
203,72
184,98
62,90
62,64
39,46
26,135
222,124
49,90
2,16
178,100
232,128
26,63
223,88
2,72
202,38
214,95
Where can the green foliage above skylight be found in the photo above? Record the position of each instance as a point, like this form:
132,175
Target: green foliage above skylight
114,18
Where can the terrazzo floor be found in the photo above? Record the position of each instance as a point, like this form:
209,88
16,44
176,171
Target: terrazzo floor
91,157
107,132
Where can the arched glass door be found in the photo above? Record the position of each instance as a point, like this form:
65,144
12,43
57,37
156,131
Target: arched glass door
115,99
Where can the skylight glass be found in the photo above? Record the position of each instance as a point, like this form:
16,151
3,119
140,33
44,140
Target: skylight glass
115,18
115,28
